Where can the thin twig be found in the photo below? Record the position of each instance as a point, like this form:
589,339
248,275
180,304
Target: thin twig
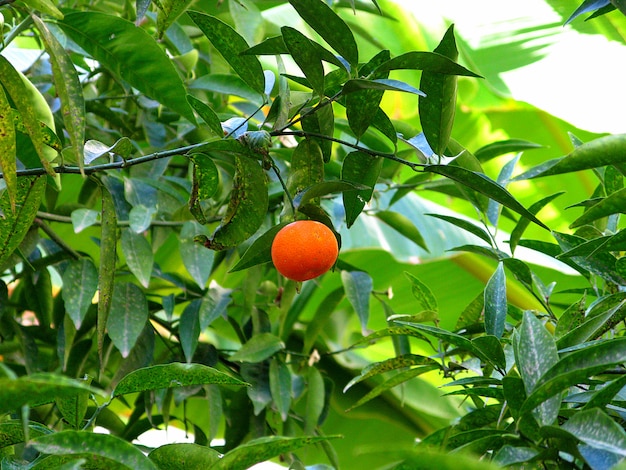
120,223
58,240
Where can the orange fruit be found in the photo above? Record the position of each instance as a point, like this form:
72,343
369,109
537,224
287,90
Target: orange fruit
304,249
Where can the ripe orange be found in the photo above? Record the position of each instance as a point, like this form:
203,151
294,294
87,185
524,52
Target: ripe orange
304,249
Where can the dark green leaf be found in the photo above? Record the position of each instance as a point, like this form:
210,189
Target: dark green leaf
324,311
491,347
495,302
466,225
307,56
482,184
428,61
169,11
128,316
12,432
80,282
321,121
324,188
196,258
358,286
8,149
138,254
189,329
258,348
207,114
330,27
105,445
230,44
522,224
495,149
612,204
174,374
260,251
402,225
214,304
280,386
360,168
130,53
596,429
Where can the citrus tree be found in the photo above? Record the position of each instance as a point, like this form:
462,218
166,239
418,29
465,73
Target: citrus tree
305,231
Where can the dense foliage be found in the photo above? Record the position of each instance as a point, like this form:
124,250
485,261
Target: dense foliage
150,151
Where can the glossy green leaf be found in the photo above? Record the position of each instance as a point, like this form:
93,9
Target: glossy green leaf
483,185
360,168
607,150
174,374
509,455
358,286
68,88
131,54
314,400
74,408
427,61
138,254
183,456
307,166
501,147
14,225
307,56
198,261
214,304
437,104
83,218
189,328
280,386
247,206
258,348
45,6
80,282
207,114
105,445
612,204
596,429
260,251
403,225
535,354
94,149
205,183
493,208
262,449
38,389
380,84
395,363
321,121
230,44
496,302
330,27
466,225
169,11
491,347
576,367
603,397
128,316
523,223
322,314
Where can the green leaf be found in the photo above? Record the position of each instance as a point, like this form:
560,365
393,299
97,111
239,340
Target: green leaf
260,251
205,183
83,218
596,429
14,225
280,386
607,150
258,348
427,61
315,397
68,88
8,148
576,367
491,347
45,6
466,225
400,362
138,254
437,105
330,27
262,449
501,147
128,316
95,149
321,121
358,286
324,188
363,97
230,45
307,56
495,302
169,11
104,445
247,206
174,374
535,354
214,304
482,184
360,168
189,329
397,379
80,282
323,312
380,84
196,258
615,203
207,114
403,225
12,432
522,224
509,455
19,89
307,166
422,293
38,389
74,408
184,456
131,54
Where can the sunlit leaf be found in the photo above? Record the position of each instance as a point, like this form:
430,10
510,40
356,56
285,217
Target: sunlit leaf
496,302
183,456
258,348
